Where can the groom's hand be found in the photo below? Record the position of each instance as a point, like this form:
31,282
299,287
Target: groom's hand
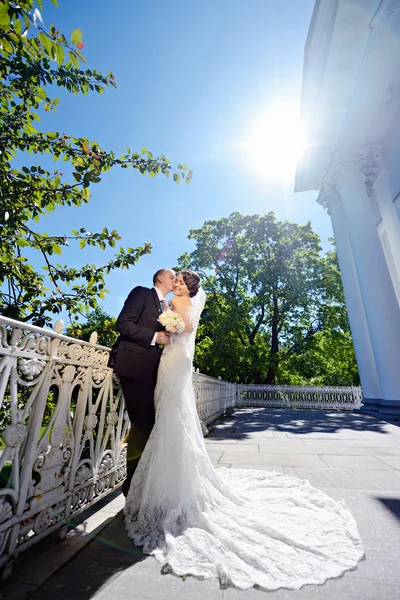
163,337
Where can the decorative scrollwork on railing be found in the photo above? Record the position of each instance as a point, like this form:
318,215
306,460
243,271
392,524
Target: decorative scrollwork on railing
29,369
62,425
5,510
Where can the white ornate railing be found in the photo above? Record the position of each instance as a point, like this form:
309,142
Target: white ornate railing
285,396
63,423
213,397
62,427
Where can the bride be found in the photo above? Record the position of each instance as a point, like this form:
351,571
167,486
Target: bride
245,527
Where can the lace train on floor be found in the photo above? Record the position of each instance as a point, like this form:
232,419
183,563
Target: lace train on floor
244,527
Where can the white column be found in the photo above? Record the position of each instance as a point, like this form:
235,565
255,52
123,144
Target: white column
378,295
355,309
390,226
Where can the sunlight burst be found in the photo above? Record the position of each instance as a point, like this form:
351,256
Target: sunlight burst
276,142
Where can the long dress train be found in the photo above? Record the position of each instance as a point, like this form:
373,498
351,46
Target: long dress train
245,527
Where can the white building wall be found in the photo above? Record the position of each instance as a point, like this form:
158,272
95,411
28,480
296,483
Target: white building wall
391,149
351,103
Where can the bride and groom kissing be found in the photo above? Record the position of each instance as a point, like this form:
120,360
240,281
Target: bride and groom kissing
245,527
139,351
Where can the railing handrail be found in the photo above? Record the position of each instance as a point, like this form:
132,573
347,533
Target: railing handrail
52,333
274,386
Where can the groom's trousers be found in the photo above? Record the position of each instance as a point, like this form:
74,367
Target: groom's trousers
139,402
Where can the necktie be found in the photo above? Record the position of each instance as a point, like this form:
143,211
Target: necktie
163,304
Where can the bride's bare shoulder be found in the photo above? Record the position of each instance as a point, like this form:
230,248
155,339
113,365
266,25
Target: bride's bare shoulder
178,301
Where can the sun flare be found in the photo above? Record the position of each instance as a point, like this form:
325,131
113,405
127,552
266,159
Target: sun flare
276,142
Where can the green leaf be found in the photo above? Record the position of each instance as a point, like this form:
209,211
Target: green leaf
73,59
60,54
46,43
76,37
6,45
57,249
29,129
4,17
17,25
82,244
80,55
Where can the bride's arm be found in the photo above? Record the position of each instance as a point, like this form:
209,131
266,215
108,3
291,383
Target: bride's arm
181,307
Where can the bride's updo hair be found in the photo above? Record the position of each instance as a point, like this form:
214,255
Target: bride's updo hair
192,281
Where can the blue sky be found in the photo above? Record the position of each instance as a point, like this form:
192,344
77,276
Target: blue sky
193,78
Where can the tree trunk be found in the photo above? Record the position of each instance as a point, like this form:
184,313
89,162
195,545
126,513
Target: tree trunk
258,378
271,374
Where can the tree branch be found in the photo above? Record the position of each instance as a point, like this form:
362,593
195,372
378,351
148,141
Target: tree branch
257,326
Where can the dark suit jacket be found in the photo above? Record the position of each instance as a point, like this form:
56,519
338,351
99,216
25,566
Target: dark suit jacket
137,324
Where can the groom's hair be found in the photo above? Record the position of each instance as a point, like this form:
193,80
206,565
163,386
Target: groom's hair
157,274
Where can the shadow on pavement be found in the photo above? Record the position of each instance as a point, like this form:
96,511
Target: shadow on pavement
98,566
94,567
391,504
247,421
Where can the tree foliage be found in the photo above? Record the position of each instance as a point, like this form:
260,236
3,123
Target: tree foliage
99,321
275,311
34,61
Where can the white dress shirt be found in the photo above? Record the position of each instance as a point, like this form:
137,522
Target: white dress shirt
161,298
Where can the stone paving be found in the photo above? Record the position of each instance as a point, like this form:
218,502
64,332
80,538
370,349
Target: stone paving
348,455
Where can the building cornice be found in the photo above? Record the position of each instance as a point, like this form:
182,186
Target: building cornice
388,15
351,92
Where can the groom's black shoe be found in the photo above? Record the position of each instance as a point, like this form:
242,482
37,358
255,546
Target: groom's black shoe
137,439
125,488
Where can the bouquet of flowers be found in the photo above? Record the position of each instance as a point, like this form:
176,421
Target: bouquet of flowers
172,321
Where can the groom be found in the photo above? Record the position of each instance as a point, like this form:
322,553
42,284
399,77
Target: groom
137,360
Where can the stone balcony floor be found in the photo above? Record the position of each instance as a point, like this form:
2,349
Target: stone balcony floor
348,455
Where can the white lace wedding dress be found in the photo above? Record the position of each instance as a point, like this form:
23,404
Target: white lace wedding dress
245,527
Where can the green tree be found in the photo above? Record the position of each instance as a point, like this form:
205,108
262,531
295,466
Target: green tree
272,297
328,359
99,321
34,61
